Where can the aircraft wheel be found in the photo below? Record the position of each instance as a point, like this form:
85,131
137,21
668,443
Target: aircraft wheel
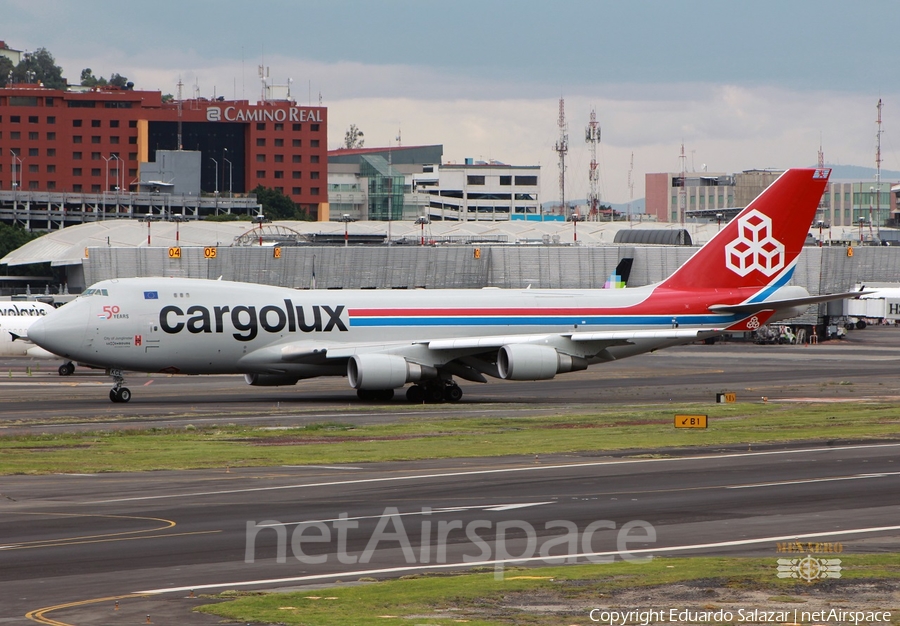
66,369
113,395
453,393
434,393
415,394
366,395
384,395
124,394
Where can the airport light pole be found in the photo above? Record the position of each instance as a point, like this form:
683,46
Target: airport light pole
106,184
821,225
217,175
177,219
260,219
15,185
421,222
217,183
21,168
118,171
230,189
346,219
148,219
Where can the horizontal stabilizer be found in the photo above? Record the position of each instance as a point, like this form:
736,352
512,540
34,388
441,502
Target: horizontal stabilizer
777,305
16,337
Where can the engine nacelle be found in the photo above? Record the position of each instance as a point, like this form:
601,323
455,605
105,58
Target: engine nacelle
270,380
385,371
521,361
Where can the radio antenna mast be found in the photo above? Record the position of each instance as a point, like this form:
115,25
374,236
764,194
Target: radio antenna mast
562,148
592,136
630,187
180,85
682,193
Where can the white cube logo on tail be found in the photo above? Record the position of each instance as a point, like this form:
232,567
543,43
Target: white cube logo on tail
754,248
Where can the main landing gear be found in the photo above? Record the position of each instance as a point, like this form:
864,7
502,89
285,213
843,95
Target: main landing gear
119,392
430,392
67,369
434,391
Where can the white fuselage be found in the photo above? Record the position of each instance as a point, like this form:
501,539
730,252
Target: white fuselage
208,327
15,320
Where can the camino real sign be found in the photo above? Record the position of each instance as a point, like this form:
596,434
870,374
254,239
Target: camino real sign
259,114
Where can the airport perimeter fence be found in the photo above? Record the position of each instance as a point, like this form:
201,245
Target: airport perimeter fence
819,270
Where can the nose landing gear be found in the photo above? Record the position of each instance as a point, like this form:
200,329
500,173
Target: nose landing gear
119,392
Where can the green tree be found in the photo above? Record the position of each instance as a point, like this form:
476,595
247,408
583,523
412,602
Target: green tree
353,138
117,80
40,66
13,237
89,80
277,206
228,217
6,66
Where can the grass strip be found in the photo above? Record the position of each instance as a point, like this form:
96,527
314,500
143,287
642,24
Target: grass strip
436,437
480,600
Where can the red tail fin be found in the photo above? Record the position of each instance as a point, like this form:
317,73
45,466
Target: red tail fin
762,242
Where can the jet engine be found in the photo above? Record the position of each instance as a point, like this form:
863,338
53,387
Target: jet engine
522,361
385,371
270,380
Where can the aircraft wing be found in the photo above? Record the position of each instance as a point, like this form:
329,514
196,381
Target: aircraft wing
775,305
609,337
441,351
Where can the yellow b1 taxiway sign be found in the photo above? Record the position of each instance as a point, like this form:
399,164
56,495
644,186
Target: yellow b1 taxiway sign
690,421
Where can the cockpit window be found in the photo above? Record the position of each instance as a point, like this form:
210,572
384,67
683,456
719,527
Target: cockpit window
95,292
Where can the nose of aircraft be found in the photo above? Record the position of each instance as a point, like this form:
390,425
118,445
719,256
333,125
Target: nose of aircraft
37,332
62,331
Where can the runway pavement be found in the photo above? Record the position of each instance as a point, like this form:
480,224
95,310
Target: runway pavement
71,538
79,542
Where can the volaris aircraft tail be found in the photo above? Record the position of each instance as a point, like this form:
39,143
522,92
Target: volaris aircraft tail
758,248
619,278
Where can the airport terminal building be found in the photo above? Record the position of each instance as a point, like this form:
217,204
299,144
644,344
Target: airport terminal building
413,182
98,141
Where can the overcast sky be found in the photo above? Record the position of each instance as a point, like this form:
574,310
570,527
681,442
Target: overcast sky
742,84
